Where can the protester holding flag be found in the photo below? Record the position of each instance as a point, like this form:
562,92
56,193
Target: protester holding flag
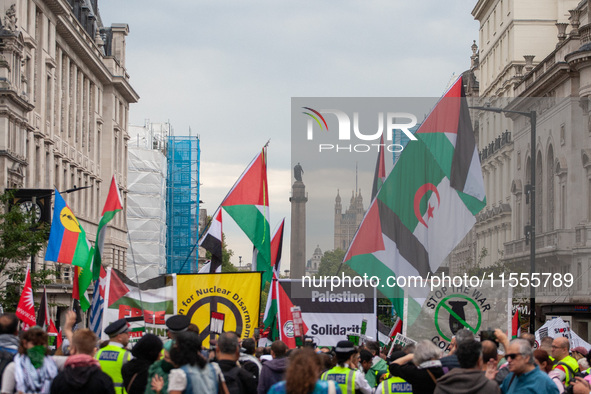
346,373
302,376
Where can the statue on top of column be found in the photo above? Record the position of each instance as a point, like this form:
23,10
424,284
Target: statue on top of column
297,172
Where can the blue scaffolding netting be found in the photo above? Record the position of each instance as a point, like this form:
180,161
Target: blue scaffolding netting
182,204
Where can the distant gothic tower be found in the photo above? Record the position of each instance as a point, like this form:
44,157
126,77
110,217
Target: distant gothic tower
346,224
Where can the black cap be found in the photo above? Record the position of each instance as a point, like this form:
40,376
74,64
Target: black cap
178,323
345,347
117,327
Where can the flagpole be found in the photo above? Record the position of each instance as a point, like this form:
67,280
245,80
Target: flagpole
405,315
137,279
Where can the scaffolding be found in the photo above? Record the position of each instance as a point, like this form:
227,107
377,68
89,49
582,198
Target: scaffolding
182,203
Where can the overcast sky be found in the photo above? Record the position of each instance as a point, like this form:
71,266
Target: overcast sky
228,70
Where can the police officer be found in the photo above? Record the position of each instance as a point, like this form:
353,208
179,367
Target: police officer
113,356
394,384
346,373
176,324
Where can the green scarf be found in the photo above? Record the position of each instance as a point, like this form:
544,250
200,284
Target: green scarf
36,354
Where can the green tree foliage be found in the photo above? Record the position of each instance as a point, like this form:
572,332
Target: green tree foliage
330,263
19,240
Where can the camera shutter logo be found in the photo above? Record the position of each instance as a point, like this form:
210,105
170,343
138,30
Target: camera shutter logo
457,311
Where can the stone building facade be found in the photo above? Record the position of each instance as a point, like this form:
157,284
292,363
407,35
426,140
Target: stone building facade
536,55
64,102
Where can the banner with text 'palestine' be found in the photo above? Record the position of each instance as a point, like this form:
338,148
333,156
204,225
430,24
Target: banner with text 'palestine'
236,295
331,314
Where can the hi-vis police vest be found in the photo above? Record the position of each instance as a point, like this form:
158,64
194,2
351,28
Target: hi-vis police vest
344,377
571,367
396,385
112,358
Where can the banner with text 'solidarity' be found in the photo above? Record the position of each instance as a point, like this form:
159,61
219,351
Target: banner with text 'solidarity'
332,314
236,295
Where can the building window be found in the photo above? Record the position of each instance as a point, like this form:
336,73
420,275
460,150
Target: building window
550,188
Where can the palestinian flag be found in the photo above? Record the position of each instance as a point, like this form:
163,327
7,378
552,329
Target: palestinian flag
212,242
270,318
380,174
112,206
426,205
516,325
248,204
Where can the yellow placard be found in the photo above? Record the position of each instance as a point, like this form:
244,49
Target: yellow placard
236,295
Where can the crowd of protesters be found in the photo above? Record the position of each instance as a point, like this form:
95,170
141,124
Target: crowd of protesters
181,365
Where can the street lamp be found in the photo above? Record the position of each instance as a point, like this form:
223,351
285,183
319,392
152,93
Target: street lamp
530,231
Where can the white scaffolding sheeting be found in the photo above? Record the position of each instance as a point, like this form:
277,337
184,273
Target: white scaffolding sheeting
146,212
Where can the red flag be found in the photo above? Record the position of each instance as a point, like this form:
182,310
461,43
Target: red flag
277,246
515,326
286,327
26,305
52,329
59,340
396,329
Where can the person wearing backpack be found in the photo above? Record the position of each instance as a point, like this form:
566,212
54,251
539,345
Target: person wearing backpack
194,374
238,380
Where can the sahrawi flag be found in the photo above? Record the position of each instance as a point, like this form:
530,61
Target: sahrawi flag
112,206
68,244
25,310
212,242
248,204
426,205
270,318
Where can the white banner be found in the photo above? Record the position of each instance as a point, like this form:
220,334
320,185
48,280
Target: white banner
449,309
331,314
559,328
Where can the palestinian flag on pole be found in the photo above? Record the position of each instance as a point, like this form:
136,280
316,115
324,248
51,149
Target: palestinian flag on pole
112,206
516,325
248,204
212,242
426,205
270,317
